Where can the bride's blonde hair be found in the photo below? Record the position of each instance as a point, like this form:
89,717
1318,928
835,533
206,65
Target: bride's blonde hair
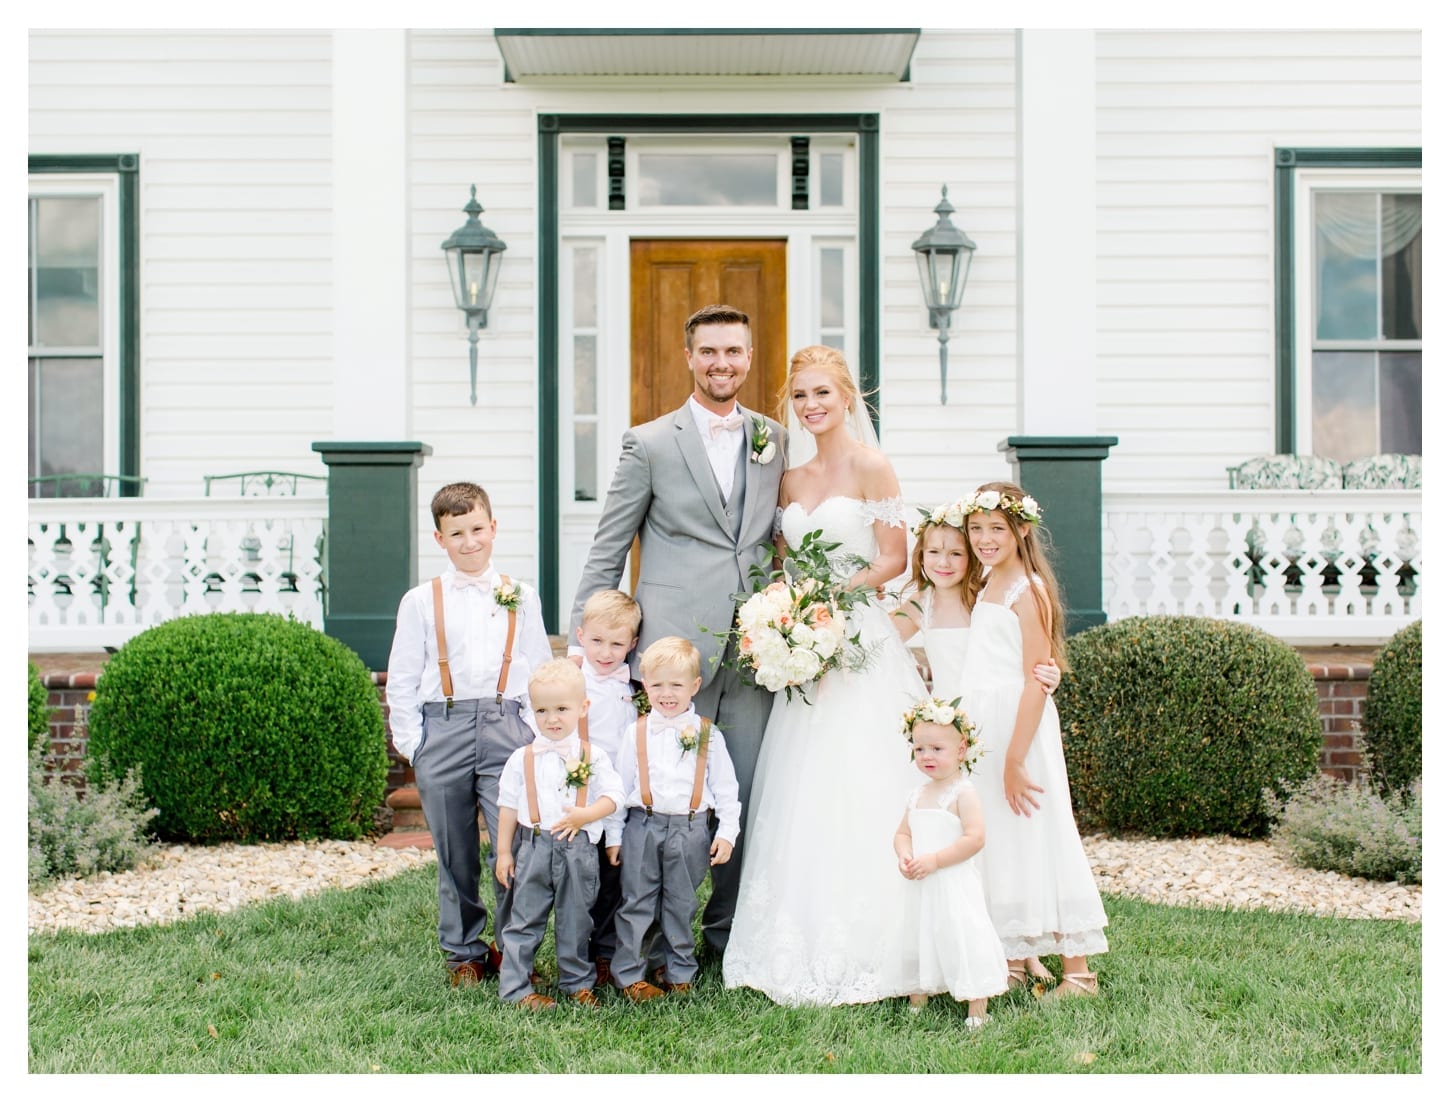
819,357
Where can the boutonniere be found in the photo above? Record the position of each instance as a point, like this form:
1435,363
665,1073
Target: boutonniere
507,594
577,772
641,702
762,447
689,739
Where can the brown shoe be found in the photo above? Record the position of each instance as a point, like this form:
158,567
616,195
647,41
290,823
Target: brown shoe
466,973
603,976
585,998
534,1001
641,991
493,963
679,988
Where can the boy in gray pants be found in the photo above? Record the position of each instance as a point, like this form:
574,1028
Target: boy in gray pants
673,771
552,800
458,676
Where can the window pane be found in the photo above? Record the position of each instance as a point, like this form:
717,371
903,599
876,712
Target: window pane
67,251
586,282
707,179
585,478
585,376
833,182
1346,260
1344,405
833,288
1400,243
585,180
1400,409
66,429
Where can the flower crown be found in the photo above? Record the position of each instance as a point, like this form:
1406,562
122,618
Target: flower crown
954,514
946,714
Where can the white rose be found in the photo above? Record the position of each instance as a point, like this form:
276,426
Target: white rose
827,642
938,514
802,635
953,515
766,453
989,499
1029,505
771,679
942,714
803,666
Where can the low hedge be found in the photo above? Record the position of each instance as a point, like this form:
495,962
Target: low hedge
1392,723
1175,725
246,727
38,711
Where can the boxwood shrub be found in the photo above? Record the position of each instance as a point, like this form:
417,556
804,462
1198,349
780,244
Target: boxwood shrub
1392,712
1175,725
246,727
39,711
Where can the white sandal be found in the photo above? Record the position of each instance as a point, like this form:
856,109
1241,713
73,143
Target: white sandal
973,1022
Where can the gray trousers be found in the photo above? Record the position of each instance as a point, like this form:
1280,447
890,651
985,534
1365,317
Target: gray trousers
663,861
549,875
458,764
741,712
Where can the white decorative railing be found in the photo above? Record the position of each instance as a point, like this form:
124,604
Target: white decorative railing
105,569
1309,566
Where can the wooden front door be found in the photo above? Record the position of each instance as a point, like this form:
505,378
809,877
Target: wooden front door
669,280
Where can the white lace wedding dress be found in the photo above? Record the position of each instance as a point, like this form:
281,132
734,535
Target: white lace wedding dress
824,917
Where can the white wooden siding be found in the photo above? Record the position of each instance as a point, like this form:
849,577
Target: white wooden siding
233,131
1187,125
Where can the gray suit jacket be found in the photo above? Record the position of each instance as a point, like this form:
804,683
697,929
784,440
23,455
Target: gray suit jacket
690,563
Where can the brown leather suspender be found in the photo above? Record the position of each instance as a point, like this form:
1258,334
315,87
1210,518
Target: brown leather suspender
444,675
701,756
531,789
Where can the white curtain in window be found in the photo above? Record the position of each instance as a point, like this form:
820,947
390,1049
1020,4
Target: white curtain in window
1349,223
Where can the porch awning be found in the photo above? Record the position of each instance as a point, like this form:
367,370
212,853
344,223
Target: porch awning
552,52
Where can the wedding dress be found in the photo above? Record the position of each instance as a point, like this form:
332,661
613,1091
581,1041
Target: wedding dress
824,917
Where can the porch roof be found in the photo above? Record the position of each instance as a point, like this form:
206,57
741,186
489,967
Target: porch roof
870,54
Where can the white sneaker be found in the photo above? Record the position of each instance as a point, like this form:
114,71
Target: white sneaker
974,1022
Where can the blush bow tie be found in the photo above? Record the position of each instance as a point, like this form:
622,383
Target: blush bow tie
619,673
674,724
726,424
463,581
565,748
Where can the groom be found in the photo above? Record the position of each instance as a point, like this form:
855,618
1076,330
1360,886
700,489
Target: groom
698,487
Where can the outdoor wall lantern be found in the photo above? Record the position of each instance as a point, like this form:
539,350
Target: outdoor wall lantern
474,253
943,257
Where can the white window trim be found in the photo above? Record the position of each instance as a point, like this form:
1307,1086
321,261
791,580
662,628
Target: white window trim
1306,182
106,186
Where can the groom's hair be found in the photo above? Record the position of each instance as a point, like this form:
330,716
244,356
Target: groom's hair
715,315
673,653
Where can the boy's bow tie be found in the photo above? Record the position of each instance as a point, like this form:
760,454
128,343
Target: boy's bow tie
463,581
673,724
726,424
619,673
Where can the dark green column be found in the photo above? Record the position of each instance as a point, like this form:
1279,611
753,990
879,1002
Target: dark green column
1064,474
372,540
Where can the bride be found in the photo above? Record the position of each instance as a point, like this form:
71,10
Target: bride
823,916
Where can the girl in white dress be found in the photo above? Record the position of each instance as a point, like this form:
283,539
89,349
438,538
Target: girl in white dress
823,914
936,845
1039,886
934,608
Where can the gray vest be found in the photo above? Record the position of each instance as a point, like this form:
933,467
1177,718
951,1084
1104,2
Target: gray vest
735,503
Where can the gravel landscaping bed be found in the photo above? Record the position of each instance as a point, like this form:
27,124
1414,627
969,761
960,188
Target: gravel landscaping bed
180,881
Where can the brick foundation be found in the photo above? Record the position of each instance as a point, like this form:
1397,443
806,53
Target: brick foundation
1340,680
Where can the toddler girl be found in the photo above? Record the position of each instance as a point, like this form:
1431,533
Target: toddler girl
1038,883
957,947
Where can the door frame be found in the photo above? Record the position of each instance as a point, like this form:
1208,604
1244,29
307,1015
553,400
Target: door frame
866,128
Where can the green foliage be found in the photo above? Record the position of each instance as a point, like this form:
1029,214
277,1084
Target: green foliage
70,835
247,727
1173,725
1330,824
39,711
1392,712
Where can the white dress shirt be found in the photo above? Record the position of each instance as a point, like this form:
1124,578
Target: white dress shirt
723,448
555,795
475,627
672,779
611,710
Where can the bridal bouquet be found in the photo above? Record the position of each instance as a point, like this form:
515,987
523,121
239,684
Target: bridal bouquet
793,629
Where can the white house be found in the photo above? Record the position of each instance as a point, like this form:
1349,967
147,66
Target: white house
1204,244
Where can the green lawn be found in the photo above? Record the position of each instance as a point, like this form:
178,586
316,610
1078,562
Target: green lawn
352,982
